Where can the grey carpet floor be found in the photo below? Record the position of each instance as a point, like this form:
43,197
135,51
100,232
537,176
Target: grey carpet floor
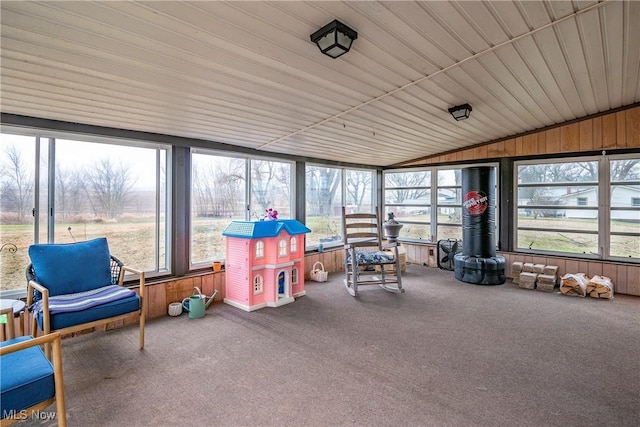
445,353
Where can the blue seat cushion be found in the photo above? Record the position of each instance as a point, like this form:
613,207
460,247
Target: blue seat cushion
102,311
26,378
371,257
72,267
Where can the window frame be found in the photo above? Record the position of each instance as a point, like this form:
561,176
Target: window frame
344,170
46,159
250,213
434,205
603,206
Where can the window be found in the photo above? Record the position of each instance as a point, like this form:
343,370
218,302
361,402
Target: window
95,187
327,191
425,214
449,204
270,188
323,204
553,209
259,249
294,275
408,195
258,284
221,192
294,245
217,197
624,223
565,206
282,247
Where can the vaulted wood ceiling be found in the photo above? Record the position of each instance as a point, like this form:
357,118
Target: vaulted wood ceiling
246,73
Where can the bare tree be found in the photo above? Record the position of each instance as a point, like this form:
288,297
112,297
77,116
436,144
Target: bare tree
406,185
109,186
357,185
69,190
623,170
17,184
323,184
229,187
270,186
263,173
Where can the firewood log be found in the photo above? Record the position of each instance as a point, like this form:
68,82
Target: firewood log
574,284
600,287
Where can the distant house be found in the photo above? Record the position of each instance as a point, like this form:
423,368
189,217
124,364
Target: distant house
622,196
264,263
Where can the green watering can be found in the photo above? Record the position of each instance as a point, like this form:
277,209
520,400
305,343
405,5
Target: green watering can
197,303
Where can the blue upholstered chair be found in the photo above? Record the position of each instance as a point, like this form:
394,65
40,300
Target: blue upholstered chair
77,286
29,382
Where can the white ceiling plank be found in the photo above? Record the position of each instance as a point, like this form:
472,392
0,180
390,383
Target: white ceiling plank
614,41
246,73
631,66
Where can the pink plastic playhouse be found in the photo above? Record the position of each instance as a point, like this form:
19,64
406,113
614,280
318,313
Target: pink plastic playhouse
265,263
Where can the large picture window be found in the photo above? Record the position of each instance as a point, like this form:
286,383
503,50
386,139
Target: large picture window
408,195
221,193
624,225
61,190
576,207
324,201
327,191
425,214
449,208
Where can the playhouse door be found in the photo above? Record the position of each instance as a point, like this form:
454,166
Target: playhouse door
282,284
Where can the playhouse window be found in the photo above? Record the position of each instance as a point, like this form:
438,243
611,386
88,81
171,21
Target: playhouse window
282,247
294,275
294,245
259,249
258,284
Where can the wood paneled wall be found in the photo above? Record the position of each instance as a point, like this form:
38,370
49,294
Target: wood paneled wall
611,131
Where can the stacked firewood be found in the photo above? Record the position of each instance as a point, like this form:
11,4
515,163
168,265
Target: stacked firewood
534,276
600,287
574,284
516,269
579,284
548,278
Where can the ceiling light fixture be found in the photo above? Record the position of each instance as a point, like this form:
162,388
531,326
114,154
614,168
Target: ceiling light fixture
334,39
461,112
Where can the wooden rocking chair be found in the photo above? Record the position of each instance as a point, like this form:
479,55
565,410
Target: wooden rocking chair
367,260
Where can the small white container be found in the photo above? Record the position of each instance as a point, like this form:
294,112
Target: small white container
175,309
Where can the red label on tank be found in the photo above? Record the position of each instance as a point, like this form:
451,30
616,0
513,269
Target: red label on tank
475,202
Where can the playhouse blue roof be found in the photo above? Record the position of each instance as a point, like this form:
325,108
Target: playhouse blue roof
257,229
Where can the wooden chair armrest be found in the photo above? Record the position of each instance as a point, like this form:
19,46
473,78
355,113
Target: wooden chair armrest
132,270
141,294
390,245
31,285
44,339
135,271
46,320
